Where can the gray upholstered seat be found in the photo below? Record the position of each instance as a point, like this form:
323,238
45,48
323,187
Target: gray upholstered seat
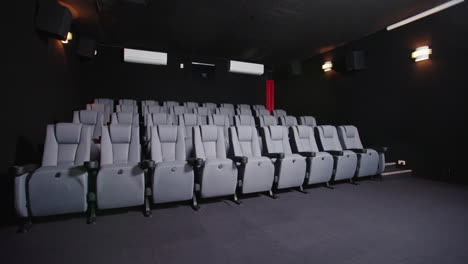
258,173
370,162
125,118
267,121
177,110
189,106
288,121
169,104
127,108
307,121
279,112
155,119
95,120
108,109
345,160
319,164
152,109
290,170
128,102
120,181
60,185
102,108
211,106
243,111
227,111
261,112
244,120
173,177
218,175
220,121
188,121
230,106
243,106
148,103
258,107
203,113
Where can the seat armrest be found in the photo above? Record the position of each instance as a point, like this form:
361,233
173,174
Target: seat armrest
275,155
381,149
92,165
240,159
97,140
335,152
195,162
307,154
360,151
20,170
147,164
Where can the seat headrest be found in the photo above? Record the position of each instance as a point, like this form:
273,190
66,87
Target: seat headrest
304,131
88,117
190,119
202,110
245,120
270,120
125,118
153,108
219,120
126,108
244,133
167,133
120,133
290,120
276,132
68,133
328,131
350,131
209,133
159,118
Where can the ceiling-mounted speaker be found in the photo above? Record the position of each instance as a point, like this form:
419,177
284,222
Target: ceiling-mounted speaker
356,61
86,47
296,67
54,19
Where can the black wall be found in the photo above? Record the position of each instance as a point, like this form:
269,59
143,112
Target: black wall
417,109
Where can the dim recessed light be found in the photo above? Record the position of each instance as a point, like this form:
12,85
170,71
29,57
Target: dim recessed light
69,37
327,66
421,53
181,65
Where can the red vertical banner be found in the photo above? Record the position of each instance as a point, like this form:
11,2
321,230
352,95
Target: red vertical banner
270,95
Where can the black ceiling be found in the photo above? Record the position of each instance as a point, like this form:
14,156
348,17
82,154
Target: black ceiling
267,31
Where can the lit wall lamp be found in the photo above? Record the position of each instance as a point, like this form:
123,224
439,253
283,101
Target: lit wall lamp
69,37
327,66
421,53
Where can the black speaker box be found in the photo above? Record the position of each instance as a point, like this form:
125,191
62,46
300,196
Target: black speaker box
356,61
54,19
86,47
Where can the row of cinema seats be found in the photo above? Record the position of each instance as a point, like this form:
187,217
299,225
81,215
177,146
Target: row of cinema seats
90,164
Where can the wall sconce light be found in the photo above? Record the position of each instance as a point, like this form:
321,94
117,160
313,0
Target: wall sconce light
69,37
421,53
327,66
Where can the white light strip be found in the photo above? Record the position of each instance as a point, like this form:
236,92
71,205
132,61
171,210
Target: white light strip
425,14
145,57
246,67
202,63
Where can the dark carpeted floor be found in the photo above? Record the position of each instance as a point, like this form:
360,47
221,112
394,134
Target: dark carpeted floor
399,220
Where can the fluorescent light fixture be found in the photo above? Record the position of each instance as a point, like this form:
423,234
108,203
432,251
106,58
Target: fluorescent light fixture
327,66
69,37
246,67
425,14
145,57
202,63
421,53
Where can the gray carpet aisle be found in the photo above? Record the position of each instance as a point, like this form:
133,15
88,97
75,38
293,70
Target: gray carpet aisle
400,220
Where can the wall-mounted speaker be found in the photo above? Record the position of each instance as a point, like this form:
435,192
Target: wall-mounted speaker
86,47
356,60
54,19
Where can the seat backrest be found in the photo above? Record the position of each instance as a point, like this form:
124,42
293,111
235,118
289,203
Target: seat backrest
308,121
188,121
150,109
211,106
276,139
267,121
244,120
155,119
349,137
243,111
209,142
243,106
149,102
103,108
304,139
127,108
190,105
204,111
67,144
169,104
288,121
279,112
258,107
125,119
262,112
127,102
225,111
167,143
94,119
244,141
177,110
231,106
219,121
328,138
106,101
120,144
